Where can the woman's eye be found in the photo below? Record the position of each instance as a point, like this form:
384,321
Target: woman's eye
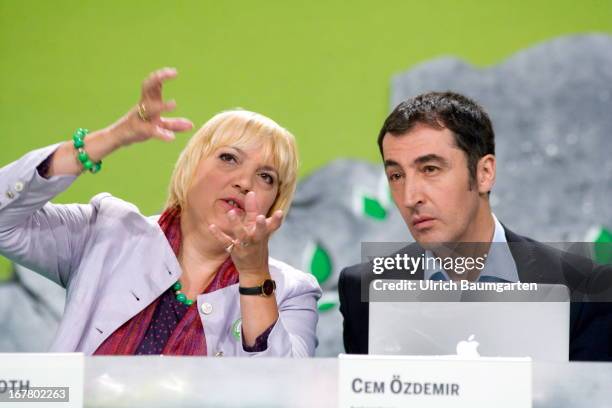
267,178
227,157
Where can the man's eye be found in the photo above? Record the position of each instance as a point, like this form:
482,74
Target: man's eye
227,157
394,176
430,169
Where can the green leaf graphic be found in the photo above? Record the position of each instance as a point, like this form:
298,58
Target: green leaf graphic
603,247
320,264
326,306
373,209
6,270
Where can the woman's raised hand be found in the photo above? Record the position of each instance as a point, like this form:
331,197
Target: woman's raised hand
141,123
144,121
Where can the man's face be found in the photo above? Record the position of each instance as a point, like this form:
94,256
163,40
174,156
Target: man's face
430,183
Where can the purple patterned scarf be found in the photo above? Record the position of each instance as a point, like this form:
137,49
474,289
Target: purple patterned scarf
188,338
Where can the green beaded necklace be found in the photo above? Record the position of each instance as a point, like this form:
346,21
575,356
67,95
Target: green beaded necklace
180,296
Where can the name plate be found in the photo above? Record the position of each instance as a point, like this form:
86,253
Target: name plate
41,379
432,382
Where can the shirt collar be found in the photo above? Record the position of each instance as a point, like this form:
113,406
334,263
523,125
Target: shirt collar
499,265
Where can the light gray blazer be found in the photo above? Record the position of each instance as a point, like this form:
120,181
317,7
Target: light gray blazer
113,262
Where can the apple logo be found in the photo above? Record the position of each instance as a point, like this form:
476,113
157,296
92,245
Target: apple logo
468,348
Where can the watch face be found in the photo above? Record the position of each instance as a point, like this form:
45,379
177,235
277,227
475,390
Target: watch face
267,287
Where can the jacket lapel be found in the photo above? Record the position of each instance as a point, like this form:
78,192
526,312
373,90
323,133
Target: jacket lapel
132,287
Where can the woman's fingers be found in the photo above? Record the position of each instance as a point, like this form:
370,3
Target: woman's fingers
250,207
165,128
263,227
238,228
261,231
152,86
144,121
148,111
254,228
168,106
176,124
159,132
221,236
274,222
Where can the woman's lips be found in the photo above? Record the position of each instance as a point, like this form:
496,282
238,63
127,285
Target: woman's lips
228,207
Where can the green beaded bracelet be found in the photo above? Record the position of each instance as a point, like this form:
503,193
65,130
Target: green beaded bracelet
82,156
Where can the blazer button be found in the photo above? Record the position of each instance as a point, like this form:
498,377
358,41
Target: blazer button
10,194
219,354
206,308
18,186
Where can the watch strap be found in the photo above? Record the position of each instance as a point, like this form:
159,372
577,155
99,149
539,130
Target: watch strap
266,288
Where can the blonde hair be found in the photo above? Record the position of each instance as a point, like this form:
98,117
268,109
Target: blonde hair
239,128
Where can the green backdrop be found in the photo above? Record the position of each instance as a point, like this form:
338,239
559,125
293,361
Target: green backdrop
321,69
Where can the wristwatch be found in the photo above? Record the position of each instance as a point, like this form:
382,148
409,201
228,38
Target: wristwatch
267,288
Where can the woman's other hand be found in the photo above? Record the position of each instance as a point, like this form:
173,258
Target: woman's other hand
249,244
249,250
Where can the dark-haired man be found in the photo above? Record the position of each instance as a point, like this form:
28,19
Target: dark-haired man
439,156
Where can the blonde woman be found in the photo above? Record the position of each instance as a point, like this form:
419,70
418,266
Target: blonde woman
196,280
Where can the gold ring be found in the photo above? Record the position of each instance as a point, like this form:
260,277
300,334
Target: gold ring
142,112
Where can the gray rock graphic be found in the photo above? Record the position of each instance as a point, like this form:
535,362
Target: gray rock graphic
551,107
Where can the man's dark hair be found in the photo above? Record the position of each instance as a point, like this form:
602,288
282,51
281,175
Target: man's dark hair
467,120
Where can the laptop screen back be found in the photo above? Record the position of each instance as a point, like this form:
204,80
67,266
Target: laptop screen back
470,324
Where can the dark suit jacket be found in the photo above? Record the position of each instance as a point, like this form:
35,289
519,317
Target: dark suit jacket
590,322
